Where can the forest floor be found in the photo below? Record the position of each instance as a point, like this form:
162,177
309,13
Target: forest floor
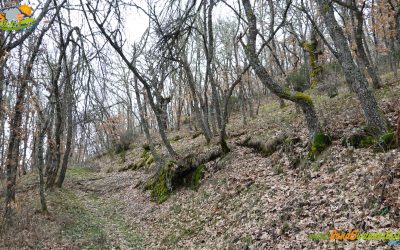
245,200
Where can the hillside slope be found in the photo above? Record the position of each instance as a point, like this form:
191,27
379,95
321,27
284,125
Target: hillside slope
245,200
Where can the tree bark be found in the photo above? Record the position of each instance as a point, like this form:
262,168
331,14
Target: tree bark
211,65
361,53
354,77
196,109
301,99
68,105
16,123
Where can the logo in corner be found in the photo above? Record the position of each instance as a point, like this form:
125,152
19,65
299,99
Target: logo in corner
16,17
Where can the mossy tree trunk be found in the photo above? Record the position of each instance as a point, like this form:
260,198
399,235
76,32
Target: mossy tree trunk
303,100
313,55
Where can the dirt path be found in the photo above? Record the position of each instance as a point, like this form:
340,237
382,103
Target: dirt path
98,213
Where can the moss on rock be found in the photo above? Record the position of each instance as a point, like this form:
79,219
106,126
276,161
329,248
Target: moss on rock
160,185
168,179
196,177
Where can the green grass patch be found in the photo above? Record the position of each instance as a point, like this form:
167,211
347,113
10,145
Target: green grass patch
89,220
79,172
87,227
80,225
108,210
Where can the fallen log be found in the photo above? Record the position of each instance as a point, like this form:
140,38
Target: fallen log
186,172
265,148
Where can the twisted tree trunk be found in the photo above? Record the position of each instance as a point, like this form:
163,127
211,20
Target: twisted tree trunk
303,100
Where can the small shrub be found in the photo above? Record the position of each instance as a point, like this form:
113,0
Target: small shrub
358,140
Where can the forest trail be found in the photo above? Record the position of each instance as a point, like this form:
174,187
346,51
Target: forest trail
100,222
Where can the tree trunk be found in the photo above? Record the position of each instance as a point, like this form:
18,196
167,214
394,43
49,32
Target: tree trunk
68,105
303,100
25,147
243,105
39,160
354,77
362,55
211,65
58,131
16,123
192,87
145,125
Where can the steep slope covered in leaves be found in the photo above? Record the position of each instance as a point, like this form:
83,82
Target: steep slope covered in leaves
245,200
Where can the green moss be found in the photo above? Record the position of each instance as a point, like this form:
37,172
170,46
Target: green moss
149,160
78,172
160,188
146,159
145,154
319,143
140,164
316,70
304,97
367,141
325,8
387,141
359,140
197,176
